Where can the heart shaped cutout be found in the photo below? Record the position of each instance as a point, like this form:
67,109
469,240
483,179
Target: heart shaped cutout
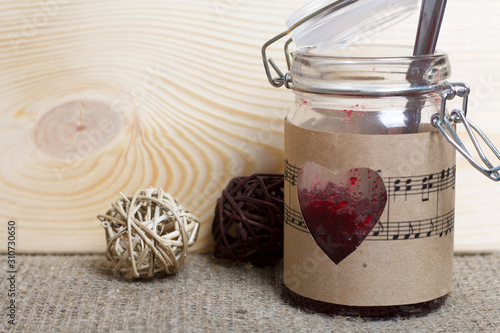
341,209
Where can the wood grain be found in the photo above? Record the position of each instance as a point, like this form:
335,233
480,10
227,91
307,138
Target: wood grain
99,97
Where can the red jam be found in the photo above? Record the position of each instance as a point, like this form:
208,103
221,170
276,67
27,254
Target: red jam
372,312
338,218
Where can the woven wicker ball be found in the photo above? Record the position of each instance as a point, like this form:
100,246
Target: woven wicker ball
248,222
148,233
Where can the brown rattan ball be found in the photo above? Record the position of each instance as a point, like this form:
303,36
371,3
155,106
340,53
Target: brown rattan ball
248,222
148,233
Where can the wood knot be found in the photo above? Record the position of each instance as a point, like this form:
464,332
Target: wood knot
75,130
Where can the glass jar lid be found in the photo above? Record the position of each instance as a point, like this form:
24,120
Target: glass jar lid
345,21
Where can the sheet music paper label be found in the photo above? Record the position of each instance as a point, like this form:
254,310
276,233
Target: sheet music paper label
407,257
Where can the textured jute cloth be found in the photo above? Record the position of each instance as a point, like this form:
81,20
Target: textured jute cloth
80,294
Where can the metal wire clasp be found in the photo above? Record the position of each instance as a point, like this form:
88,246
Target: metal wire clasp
285,79
281,79
444,123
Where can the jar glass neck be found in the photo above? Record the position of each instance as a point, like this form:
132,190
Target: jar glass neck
368,69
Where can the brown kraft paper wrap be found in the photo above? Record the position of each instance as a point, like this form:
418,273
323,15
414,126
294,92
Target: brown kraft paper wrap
407,257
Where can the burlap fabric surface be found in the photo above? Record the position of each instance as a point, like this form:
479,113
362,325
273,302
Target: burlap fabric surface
79,294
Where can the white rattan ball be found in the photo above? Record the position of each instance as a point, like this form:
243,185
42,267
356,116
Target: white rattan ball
148,232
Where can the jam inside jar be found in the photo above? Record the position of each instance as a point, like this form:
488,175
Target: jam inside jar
389,252
371,312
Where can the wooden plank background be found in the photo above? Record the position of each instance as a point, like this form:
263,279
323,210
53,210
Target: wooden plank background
98,97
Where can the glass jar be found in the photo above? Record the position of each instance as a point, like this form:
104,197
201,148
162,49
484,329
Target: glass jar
378,93
369,183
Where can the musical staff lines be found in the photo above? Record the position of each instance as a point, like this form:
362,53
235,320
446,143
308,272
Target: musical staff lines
294,219
291,173
422,186
439,226
424,191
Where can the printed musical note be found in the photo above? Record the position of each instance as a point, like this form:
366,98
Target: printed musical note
410,231
447,179
407,188
396,235
446,226
379,229
291,173
419,229
441,179
427,185
429,233
397,188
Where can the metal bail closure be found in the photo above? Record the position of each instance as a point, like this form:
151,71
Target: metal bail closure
444,123
329,24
